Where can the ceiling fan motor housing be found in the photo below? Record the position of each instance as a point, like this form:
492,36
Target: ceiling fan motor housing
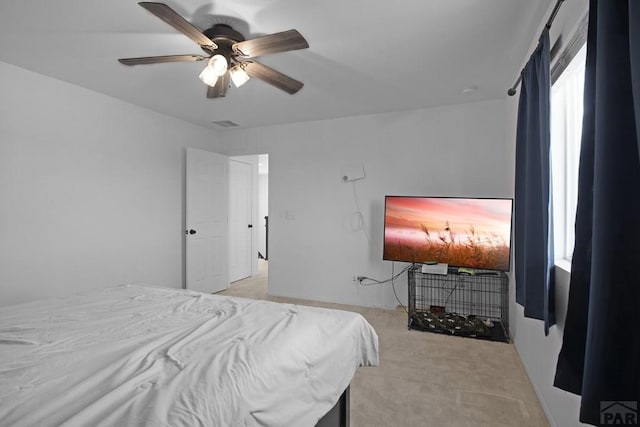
225,37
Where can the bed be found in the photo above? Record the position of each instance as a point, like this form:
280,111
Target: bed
145,356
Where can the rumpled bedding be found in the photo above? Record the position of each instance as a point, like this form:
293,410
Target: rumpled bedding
144,356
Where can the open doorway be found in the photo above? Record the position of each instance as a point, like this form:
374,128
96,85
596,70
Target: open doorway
263,214
263,221
248,221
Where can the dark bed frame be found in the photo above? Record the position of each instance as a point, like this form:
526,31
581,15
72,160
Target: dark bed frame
338,416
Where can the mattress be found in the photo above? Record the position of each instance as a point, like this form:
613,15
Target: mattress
144,356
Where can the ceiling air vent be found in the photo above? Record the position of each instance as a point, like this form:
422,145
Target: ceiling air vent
225,123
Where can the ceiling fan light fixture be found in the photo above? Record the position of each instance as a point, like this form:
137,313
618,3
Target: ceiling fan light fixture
225,50
208,77
238,75
218,65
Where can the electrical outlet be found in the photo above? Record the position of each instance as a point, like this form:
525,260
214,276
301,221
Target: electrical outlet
353,279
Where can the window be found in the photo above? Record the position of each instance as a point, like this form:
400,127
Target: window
566,131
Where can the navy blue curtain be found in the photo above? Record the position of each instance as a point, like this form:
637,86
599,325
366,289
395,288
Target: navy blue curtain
600,355
532,202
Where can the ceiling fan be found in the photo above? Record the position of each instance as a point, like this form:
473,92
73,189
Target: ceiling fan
229,56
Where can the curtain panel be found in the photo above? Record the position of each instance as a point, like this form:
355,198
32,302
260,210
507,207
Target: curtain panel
533,230
600,355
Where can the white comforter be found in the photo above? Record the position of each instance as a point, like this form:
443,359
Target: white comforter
137,355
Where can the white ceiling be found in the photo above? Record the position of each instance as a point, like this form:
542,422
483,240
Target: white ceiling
365,56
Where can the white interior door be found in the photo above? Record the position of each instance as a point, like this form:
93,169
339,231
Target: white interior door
206,221
240,225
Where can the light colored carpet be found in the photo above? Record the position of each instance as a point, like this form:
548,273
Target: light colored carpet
427,379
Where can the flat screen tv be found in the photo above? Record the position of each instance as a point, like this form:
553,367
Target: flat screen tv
461,232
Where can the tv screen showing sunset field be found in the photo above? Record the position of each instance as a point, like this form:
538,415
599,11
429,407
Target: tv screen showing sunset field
461,232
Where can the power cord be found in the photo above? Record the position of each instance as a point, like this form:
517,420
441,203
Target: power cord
393,286
380,282
391,280
361,222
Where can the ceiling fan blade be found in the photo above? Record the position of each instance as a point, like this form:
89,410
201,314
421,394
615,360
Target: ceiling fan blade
220,89
273,77
161,59
172,18
272,43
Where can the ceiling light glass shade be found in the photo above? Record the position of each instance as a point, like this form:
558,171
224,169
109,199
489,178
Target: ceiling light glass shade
238,76
208,77
218,65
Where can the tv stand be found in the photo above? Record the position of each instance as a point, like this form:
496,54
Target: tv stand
464,302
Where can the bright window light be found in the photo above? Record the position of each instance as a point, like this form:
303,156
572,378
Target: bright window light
566,133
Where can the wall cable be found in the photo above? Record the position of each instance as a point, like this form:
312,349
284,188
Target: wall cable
361,223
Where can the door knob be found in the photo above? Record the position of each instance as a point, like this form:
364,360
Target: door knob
250,225
192,231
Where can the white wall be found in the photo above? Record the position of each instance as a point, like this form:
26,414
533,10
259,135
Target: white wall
539,353
315,246
91,189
